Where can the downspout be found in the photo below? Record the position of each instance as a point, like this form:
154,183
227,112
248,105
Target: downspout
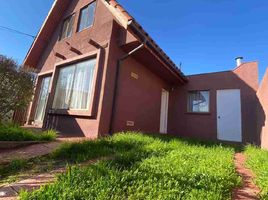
115,94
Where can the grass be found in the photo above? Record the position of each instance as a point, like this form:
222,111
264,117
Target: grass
258,162
11,132
13,167
143,167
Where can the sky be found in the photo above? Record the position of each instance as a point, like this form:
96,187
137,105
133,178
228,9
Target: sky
203,35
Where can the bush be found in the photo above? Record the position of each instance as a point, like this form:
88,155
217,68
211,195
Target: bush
257,161
144,167
10,132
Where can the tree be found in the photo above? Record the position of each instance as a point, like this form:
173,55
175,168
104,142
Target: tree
16,86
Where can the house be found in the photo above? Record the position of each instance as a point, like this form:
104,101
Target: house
100,73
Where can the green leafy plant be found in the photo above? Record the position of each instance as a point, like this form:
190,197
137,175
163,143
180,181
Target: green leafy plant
16,86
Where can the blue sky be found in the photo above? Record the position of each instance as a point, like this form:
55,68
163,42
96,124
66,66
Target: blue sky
203,35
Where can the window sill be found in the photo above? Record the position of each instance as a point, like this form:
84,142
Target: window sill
198,113
84,29
65,39
81,113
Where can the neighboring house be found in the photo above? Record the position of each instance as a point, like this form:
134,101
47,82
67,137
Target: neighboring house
100,73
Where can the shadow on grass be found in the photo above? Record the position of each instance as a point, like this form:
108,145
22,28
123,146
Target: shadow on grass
143,164
238,147
128,149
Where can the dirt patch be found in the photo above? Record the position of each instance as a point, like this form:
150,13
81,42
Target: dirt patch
248,191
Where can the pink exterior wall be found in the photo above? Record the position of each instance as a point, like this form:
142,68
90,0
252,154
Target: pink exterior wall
263,111
204,126
139,98
101,32
136,105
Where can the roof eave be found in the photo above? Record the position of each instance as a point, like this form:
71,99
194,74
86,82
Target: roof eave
39,32
132,24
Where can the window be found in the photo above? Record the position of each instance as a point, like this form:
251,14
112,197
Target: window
74,86
42,100
198,101
67,28
87,16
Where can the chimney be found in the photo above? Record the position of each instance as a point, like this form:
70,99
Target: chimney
239,61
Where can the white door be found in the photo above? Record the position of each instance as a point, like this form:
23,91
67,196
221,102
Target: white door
42,101
229,115
164,112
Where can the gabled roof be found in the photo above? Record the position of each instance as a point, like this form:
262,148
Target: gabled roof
121,15
129,22
39,44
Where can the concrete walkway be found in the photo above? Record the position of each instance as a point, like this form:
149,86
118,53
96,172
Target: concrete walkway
36,150
11,191
28,152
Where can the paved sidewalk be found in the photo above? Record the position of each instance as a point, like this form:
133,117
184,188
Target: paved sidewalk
28,152
36,150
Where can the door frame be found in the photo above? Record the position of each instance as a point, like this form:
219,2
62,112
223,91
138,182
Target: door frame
239,137
164,111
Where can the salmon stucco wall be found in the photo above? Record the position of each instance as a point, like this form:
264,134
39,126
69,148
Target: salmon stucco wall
204,125
263,111
101,32
138,102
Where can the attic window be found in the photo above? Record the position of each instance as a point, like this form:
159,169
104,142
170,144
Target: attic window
67,28
87,16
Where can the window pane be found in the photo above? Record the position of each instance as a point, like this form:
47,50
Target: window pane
198,101
92,8
64,88
70,27
42,101
82,87
67,28
87,16
64,29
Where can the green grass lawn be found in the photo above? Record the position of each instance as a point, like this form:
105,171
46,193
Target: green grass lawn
258,162
11,132
143,167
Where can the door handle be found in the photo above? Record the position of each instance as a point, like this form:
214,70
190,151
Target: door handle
219,117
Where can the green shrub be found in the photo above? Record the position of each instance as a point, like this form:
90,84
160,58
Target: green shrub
144,167
11,132
257,161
